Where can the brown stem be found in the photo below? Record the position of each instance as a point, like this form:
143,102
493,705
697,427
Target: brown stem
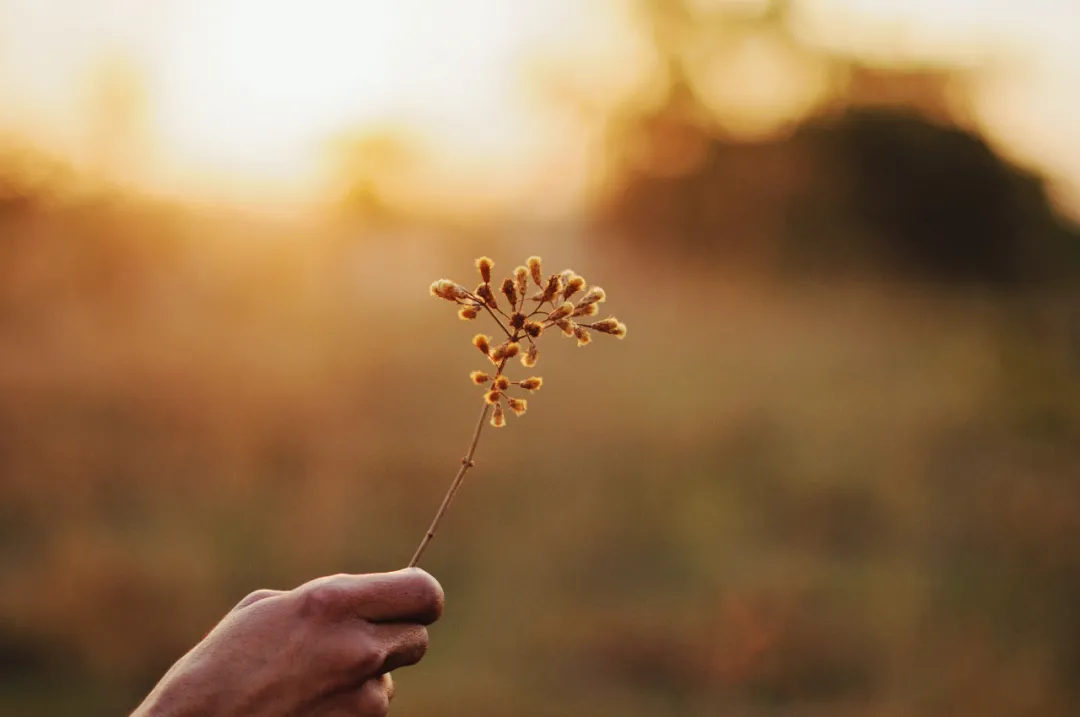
466,464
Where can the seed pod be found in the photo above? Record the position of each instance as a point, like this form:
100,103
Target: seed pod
485,264
502,383
517,405
521,280
587,310
528,360
517,321
483,343
567,326
479,377
534,270
561,311
497,418
492,396
449,290
485,293
552,289
595,295
534,329
583,336
510,292
606,326
572,285
620,331
531,384
469,312
506,351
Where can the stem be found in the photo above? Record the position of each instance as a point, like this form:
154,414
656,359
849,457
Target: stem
466,464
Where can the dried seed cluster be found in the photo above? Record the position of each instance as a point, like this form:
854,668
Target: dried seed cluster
551,304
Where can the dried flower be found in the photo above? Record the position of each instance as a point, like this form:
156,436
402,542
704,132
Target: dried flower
583,336
531,384
485,293
518,324
552,289
446,289
510,292
587,310
534,270
528,360
517,405
572,285
595,295
485,265
561,311
506,351
521,279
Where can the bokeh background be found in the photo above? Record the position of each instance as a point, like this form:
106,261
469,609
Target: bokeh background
834,468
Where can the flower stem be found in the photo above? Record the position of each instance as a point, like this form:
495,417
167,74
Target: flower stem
466,464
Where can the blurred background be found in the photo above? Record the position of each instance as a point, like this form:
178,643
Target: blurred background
834,469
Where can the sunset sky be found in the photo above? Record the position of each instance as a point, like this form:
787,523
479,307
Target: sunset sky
238,100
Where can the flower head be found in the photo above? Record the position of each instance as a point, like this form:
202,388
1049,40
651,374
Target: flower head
485,265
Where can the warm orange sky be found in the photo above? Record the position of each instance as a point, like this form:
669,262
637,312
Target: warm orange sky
240,97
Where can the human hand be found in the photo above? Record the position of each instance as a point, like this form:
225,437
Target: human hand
325,648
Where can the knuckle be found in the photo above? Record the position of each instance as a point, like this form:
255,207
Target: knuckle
254,597
320,598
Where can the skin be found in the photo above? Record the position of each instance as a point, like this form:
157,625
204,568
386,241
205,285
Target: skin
324,649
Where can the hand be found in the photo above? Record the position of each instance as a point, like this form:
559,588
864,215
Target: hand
325,648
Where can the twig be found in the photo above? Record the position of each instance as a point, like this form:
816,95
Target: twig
466,464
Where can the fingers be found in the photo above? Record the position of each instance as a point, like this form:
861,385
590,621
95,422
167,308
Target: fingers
371,699
409,595
399,645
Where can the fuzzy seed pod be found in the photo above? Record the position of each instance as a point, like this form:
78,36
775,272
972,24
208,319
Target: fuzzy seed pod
485,265
517,321
561,312
483,343
534,329
521,280
606,326
492,396
446,289
510,292
620,331
506,351
566,326
572,285
587,310
583,336
595,295
534,270
498,419
479,377
502,383
485,293
469,312
517,405
532,383
552,289
528,360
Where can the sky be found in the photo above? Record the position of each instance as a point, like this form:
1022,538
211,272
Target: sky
238,99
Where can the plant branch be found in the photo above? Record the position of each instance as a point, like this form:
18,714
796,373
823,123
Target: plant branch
466,464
